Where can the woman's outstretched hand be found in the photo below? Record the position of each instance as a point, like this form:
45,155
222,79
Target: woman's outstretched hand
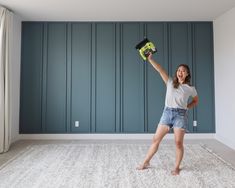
150,56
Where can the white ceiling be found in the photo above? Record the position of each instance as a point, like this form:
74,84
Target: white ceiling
118,10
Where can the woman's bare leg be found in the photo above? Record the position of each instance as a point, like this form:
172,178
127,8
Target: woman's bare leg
161,131
179,138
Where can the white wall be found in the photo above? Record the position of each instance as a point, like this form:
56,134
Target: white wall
224,58
15,77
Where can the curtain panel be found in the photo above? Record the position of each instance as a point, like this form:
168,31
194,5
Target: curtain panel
5,30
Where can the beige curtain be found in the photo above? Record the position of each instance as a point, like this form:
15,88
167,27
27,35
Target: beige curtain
5,129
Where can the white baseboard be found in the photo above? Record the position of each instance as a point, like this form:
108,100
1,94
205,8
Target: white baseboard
107,136
227,142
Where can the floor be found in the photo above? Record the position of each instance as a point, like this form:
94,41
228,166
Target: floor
226,153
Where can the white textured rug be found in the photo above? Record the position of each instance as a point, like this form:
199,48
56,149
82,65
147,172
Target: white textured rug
114,166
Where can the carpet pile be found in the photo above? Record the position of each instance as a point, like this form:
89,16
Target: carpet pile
114,166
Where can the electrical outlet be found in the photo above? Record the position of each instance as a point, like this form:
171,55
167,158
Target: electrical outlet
195,123
76,123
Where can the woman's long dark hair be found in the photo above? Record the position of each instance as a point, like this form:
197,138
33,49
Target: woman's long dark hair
187,78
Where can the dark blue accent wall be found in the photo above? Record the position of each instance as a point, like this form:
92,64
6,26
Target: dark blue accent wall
91,73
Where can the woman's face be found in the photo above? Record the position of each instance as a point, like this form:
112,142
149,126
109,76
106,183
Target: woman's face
181,74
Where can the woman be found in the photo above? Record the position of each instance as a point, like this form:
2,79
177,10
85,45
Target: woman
175,112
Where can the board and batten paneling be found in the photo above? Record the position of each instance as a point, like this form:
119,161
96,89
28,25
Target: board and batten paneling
132,79
204,76
31,78
155,86
92,73
105,77
81,77
55,105
180,52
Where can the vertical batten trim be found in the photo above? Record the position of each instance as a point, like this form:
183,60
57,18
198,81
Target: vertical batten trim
194,69
121,78
91,77
69,75
166,46
45,64
117,77
41,75
145,34
212,77
169,55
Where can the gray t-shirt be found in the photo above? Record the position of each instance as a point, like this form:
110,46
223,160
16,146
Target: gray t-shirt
178,98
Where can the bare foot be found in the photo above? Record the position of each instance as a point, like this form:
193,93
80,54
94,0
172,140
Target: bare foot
143,166
175,172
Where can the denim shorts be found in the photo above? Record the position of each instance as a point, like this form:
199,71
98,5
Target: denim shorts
174,118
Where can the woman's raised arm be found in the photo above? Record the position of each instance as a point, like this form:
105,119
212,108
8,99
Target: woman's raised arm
159,68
